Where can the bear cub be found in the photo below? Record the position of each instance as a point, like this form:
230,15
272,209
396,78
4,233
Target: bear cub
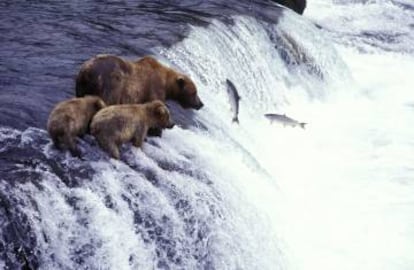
70,119
118,124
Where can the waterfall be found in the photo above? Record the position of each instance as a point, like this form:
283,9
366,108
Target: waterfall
211,194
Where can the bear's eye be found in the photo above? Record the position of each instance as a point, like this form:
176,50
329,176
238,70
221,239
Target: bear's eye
181,82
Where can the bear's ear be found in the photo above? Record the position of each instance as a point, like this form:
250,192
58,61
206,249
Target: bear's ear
100,104
159,111
181,82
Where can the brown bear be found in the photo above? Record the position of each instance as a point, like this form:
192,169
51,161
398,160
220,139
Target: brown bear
118,81
71,118
118,124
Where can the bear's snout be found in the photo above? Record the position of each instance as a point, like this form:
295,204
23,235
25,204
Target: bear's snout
170,124
199,104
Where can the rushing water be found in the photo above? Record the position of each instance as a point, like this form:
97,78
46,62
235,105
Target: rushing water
211,194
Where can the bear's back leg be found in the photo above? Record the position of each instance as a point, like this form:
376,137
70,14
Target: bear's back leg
108,146
70,141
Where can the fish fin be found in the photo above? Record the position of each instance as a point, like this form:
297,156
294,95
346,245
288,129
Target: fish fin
302,125
235,120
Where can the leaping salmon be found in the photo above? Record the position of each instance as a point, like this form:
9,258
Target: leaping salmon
234,99
284,120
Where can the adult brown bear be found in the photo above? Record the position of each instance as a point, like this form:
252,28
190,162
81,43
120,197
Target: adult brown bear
118,81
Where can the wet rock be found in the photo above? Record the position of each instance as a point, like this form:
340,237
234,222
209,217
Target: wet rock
295,5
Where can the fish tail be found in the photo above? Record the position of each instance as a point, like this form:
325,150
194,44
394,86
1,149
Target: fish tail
235,120
302,125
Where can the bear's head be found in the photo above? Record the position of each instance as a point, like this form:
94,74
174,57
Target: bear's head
186,93
160,114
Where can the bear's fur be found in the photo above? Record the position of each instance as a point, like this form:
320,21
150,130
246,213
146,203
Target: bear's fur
71,118
118,81
118,124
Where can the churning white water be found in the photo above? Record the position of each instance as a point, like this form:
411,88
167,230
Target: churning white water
337,195
340,194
